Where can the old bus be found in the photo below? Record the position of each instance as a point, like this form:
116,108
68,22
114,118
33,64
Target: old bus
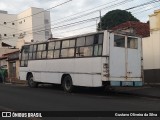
97,59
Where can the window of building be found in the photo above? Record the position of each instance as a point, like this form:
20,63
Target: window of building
20,22
13,24
5,34
5,23
13,35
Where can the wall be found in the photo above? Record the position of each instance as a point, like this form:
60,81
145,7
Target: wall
10,29
6,50
151,50
33,27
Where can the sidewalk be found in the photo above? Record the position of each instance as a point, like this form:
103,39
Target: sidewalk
145,91
22,82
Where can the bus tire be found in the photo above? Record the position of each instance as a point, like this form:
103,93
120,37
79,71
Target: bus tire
31,82
67,84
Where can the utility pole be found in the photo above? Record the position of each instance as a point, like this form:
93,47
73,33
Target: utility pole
100,23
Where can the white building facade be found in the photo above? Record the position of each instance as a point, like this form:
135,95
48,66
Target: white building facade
31,25
151,50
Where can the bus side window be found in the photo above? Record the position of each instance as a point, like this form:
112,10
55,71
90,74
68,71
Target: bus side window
34,52
41,51
56,54
98,40
30,51
72,43
80,41
57,46
84,51
25,52
50,54
65,44
89,40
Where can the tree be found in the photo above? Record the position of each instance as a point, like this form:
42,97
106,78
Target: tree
114,18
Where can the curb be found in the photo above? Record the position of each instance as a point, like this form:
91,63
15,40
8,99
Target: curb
140,95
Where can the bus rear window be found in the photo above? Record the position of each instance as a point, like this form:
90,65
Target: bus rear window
132,43
119,41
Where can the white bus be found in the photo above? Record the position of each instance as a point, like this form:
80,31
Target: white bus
92,60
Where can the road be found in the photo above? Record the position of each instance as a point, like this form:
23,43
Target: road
49,98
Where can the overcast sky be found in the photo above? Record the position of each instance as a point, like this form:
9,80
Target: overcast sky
76,6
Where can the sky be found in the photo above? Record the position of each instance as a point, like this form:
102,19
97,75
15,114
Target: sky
73,11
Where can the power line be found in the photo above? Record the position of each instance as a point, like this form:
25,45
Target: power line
88,13
62,26
72,15
142,11
154,1
75,23
77,29
41,11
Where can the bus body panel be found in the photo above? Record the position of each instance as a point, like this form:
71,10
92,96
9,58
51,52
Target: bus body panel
84,72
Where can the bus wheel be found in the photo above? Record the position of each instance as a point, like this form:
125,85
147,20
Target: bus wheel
67,84
31,82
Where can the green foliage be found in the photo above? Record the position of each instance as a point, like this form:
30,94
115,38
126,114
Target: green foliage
114,18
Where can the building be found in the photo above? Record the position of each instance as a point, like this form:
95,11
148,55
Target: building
151,50
8,30
32,24
137,28
11,61
6,50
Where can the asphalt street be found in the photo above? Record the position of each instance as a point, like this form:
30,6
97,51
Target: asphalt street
53,98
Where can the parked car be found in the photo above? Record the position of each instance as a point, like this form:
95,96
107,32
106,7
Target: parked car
3,73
